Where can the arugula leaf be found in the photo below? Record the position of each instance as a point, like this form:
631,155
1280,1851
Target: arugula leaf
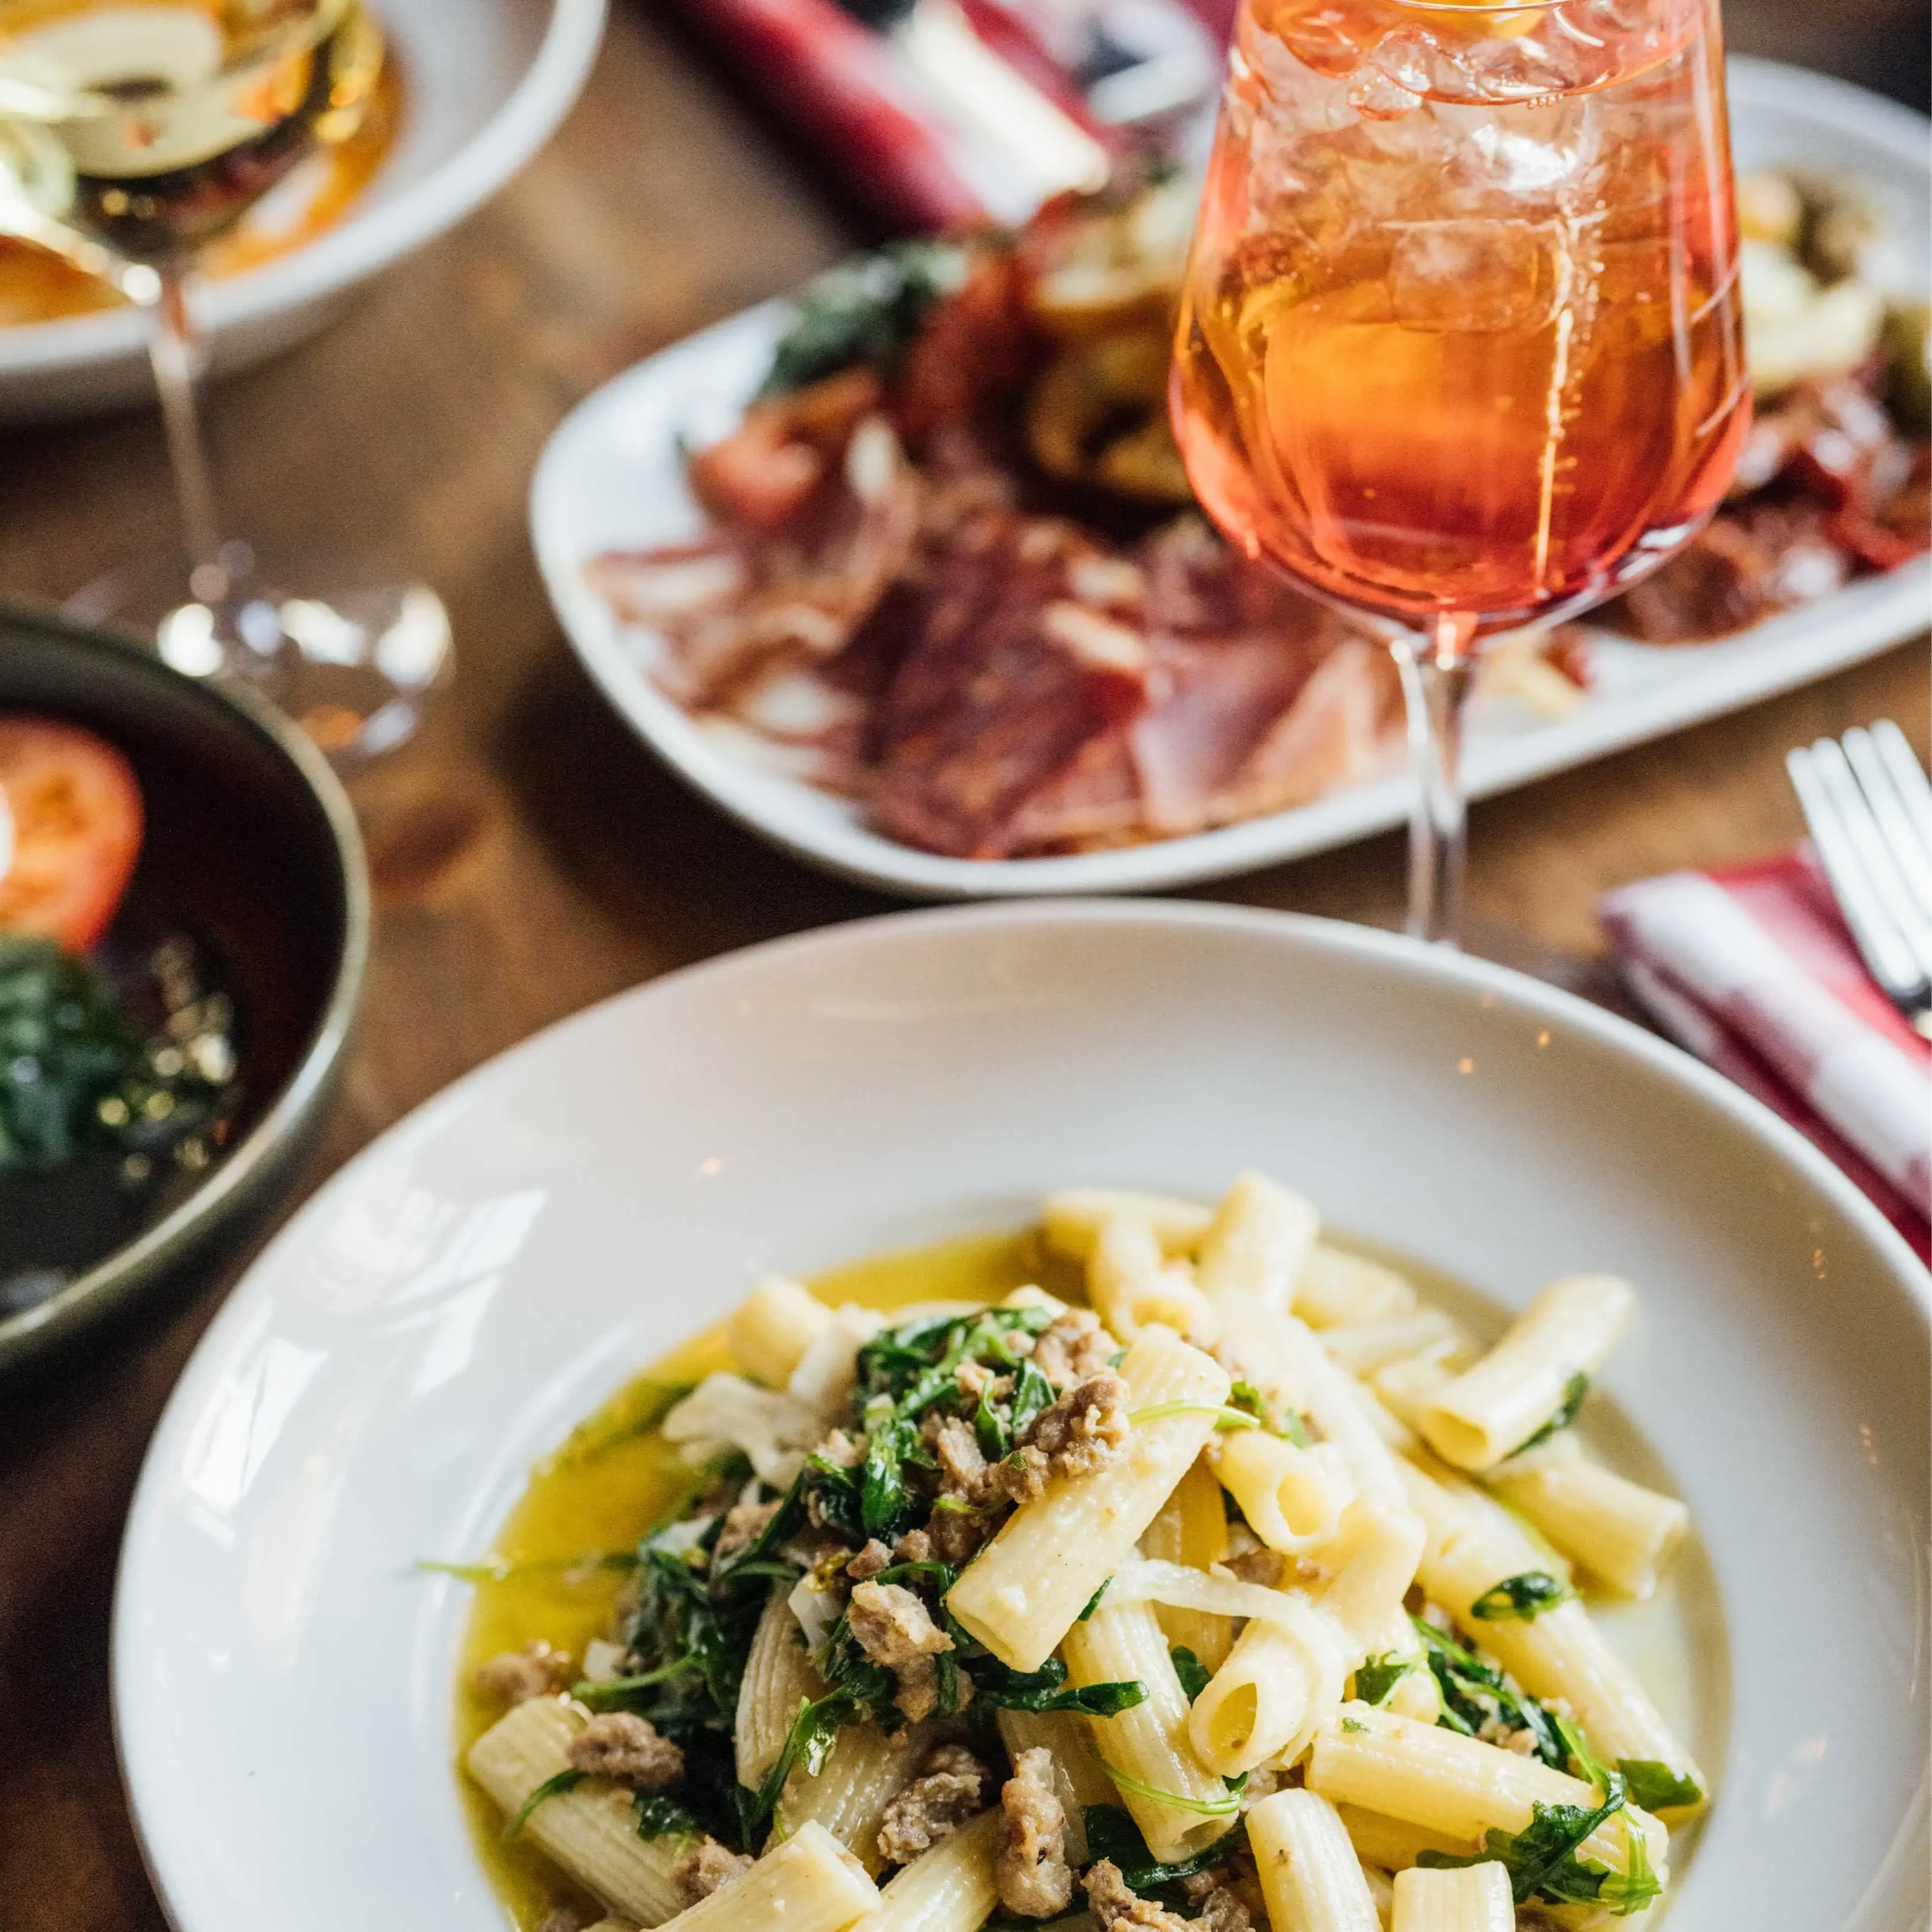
1249,1400
1194,1675
659,1816
1046,1689
1206,1808
1574,1390
809,1741
567,1780
1093,1601
1634,1887
1541,1859
1112,1834
1521,1599
1032,1392
1473,1692
1656,1787
622,1694
1375,1678
866,311
1226,1418
885,1509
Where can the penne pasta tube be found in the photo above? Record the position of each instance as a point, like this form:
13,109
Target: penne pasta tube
772,1328
1133,1286
1381,1888
1458,1787
1075,1216
1618,1531
1179,1805
809,1883
1192,1528
1362,1350
1021,1594
1371,1561
779,1677
590,1831
1077,1778
1257,1243
1293,1498
1343,1290
1280,1681
1475,1545
1477,1899
1394,1844
1403,1387
862,1775
1310,1876
1490,1411
950,1889
1416,1693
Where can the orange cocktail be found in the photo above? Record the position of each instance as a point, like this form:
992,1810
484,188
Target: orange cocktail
1461,345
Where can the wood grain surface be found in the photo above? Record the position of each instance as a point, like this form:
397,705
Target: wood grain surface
528,858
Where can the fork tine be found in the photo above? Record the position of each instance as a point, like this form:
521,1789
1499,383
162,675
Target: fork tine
1908,778
1833,771
1893,816
1879,940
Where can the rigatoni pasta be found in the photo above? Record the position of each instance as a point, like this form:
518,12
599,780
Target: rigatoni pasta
1310,1874
1000,1607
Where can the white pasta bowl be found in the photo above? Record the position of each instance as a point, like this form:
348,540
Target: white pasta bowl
452,1302
486,83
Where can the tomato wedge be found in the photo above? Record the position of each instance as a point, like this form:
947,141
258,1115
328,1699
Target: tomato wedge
75,813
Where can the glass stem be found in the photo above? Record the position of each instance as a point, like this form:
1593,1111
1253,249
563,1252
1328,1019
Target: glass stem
1437,669
180,357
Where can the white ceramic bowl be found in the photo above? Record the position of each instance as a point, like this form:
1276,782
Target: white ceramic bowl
487,83
461,1294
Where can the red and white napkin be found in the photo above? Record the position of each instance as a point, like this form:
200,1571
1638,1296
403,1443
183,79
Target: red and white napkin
1752,970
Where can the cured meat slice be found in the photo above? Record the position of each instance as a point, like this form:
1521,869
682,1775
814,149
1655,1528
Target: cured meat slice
1014,675
729,608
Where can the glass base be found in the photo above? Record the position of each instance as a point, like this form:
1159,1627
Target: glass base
353,663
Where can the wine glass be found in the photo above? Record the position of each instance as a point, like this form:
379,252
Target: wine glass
131,135
1461,345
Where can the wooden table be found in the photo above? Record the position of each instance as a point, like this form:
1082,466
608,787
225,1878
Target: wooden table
529,857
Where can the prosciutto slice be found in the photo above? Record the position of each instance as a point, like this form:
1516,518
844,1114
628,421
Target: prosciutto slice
1013,675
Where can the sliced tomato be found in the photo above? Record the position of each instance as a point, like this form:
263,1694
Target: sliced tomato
75,813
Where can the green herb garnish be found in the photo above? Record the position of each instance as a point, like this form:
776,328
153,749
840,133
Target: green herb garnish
567,1780
659,1816
1473,1693
1574,1390
1194,1675
1375,1678
866,311
1656,1787
1521,1599
1112,1834
1206,1808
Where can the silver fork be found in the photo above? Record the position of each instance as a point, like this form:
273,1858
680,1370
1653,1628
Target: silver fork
1869,807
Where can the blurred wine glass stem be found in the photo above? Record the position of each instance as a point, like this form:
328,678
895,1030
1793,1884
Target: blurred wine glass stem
180,356
1437,669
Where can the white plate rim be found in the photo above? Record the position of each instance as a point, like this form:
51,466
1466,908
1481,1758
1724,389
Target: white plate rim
1529,997
1869,615
367,242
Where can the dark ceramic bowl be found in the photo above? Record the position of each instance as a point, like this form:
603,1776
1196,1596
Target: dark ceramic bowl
251,851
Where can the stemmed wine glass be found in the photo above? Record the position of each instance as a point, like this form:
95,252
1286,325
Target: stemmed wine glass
131,135
1461,345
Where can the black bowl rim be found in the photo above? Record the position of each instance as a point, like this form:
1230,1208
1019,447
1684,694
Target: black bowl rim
244,1177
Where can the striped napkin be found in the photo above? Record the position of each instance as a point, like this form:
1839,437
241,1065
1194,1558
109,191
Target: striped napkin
1752,970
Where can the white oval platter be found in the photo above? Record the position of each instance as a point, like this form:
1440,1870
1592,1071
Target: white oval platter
612,477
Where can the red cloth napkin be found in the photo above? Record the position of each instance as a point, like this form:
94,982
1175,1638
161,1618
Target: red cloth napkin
847,89
1752,970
